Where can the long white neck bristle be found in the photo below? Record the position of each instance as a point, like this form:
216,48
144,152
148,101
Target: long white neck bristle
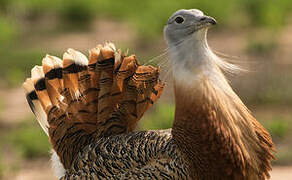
193,58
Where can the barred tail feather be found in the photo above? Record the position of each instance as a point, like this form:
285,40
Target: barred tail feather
105,68
38,79
35,105
52,67
73,63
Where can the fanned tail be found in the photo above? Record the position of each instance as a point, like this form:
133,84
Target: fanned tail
77,100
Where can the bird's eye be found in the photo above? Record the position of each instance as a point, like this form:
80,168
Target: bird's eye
203,18
179,20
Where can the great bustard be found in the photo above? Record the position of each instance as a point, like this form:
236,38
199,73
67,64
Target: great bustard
90,108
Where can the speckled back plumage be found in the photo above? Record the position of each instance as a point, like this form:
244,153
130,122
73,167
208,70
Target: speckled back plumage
138,155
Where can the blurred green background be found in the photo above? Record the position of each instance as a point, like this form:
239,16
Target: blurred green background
257,32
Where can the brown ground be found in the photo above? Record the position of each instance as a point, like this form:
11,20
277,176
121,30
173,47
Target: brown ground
41,170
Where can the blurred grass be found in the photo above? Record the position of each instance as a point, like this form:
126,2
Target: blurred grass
278,127
1,165
76,13
269,13
150,16
160,117
8,31
15,65
29,140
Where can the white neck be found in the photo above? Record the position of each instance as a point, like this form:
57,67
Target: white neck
193,47
194,58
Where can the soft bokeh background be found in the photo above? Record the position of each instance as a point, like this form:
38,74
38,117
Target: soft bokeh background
257,32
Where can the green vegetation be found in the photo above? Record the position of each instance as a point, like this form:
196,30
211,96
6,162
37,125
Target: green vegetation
269,13
278,127
161,117
77,13
8,31
1,167
15,65
150,16
29,140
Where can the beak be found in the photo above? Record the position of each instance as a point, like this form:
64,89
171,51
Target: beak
208,20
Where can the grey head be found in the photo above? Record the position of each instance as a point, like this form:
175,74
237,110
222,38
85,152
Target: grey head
184,23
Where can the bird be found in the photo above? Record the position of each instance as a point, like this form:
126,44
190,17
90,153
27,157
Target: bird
90,110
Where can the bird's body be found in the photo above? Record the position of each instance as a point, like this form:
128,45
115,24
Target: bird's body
90,110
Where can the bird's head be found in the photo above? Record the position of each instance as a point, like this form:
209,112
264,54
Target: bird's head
185,35
185,23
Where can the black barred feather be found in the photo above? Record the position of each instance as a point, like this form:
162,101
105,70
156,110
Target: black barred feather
30,97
